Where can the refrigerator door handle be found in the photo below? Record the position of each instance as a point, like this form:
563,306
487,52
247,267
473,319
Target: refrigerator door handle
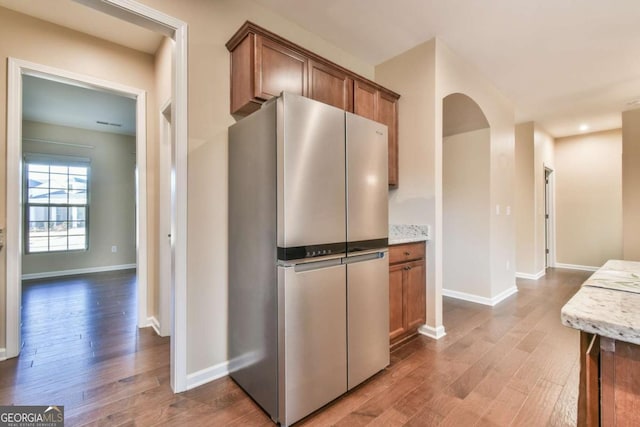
368,256
309,266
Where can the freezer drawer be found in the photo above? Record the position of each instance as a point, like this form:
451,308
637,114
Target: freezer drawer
313,344
367,316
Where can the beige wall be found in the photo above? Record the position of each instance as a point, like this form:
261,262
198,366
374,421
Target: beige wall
631,184
524,206
454,75
424,76
414,201
466,211
211,24
588,180
163,69
112,196
33,40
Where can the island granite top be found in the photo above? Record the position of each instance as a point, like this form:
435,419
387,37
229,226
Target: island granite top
608,303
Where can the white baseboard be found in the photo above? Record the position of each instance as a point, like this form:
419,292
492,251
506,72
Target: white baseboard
431,332
207,375
3,354
60,273
528,276
478,299
153,322
576,267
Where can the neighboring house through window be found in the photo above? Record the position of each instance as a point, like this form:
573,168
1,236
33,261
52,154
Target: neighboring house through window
56,203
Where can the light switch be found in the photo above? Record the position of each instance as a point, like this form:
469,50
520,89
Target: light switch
508,210
497,209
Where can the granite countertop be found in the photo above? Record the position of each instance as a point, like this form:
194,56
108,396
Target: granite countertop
608,303
408,233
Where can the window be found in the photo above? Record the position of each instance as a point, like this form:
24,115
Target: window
57,204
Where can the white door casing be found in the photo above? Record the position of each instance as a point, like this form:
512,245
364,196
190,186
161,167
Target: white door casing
176,29
152,19
18,68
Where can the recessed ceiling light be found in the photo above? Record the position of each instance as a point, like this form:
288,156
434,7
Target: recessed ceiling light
584,127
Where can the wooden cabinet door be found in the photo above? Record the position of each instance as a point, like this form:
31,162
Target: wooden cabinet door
414,285
330,85
278,69
619,383
365,100
388,114
396,301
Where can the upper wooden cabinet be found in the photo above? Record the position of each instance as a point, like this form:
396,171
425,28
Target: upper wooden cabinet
281,69
330,85
261,69
388,114
264,64
365,100
382,106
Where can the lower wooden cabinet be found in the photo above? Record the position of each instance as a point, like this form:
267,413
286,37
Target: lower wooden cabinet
609,382
407,290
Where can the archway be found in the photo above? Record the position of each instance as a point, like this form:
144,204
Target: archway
466,184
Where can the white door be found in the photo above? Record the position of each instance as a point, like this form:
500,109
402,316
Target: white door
164,249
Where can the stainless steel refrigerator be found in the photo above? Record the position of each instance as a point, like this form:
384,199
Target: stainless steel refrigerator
308,258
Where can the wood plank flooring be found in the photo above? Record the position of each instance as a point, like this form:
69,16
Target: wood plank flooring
511,365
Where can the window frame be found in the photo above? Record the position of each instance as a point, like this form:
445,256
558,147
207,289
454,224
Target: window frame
54,160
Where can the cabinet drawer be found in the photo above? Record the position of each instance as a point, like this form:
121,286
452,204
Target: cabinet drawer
407,252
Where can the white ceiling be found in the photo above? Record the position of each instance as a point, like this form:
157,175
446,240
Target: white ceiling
62,104
561,62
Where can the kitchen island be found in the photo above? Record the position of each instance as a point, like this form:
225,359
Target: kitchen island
606,310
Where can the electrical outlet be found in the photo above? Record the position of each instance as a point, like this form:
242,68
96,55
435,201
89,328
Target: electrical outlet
508,265
508,210
497,209
114,249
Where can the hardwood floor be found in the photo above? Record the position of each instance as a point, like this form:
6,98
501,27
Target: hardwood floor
81,346
514,364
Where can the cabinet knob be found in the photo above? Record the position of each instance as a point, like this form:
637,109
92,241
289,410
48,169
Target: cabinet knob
408,267
407,253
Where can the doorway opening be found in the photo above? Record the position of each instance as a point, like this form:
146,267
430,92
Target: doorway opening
78,219
549,223
151,19
30,237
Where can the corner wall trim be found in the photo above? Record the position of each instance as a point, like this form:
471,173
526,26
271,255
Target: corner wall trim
207,375
431,332
481,300
60,273
576,267
3,354
528,276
